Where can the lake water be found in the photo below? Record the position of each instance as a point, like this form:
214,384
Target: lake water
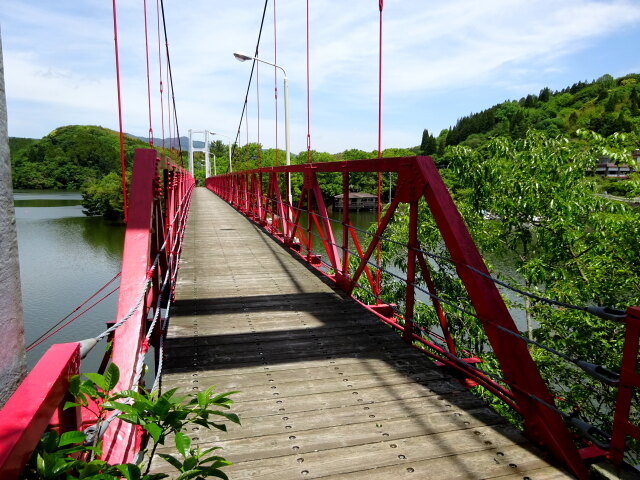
64,258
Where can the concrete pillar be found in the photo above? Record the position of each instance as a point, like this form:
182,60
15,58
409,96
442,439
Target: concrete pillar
207,164
12,354
191,151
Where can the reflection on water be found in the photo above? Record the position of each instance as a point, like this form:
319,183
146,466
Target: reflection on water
64,258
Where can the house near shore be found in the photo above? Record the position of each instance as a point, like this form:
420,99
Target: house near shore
357,201
606,168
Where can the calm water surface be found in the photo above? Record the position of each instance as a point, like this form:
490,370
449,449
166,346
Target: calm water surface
64,258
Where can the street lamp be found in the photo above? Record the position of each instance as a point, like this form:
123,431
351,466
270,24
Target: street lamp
241,57
229,139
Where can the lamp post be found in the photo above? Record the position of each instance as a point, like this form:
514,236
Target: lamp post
241,57
229,139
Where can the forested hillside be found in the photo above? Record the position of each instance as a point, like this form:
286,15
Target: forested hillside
605,106
68,157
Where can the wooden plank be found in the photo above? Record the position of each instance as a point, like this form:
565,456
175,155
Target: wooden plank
326,390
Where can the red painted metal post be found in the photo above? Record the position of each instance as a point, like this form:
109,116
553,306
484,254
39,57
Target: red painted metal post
330,246
424,268
345,222
629,382
410,297
25,416
307,186
120,441
376,239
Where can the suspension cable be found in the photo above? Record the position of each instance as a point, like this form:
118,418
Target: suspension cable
378,249
122,163
146,47
258,110
275,72
170,130
173,95
308,95
160,72
253,65
44,336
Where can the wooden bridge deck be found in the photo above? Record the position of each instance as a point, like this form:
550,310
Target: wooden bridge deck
326,390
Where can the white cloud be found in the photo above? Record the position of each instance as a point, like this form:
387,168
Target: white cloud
60,55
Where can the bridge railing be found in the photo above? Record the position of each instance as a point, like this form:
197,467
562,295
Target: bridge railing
350,262
158,207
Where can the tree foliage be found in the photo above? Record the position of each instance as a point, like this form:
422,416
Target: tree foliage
605,105
68,157
531,200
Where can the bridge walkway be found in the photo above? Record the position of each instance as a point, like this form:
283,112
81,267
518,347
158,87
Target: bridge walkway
326,390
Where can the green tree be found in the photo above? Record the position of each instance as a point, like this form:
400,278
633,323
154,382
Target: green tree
531,199
103,196
545,94
428,145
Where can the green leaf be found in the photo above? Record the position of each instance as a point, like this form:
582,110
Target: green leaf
172,460
111,376
98,379
155,476
130,418
189,474
130,471
74,385
71,437
217,473
183,443
168,394
40,464
161,407
203,399
68,405
154,430
190,462
229,416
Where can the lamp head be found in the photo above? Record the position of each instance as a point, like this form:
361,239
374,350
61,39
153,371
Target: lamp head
242,57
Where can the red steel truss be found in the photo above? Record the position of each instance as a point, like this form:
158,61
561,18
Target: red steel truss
417,179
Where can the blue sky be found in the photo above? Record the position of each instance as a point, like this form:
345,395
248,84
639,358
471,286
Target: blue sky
442,60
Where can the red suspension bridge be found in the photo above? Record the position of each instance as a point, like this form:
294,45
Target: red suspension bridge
270,302
246,315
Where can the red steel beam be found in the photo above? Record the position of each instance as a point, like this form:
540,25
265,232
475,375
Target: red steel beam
25,416
121,442
629,384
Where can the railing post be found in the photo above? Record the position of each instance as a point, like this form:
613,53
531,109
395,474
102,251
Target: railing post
345,222
28,411
629,381
412,245
120,441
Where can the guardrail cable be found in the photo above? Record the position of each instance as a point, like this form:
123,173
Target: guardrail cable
54,328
